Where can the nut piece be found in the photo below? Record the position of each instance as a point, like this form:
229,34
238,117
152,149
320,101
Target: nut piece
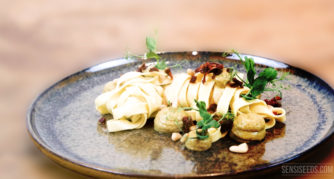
184,138
212,130
192,128
176,136
192,134
242,148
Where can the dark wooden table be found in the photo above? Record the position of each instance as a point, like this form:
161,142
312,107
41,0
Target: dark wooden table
43,41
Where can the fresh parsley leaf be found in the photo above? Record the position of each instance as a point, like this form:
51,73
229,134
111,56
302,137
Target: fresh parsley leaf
152,54
161,65
202,110
200,124
201,136
151,44
213,123
249,65
227,116
268,74
258,85
206,122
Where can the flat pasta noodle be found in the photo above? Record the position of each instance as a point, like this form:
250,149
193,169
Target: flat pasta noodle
182,100
172,91
122,111
217,93
239,102
225,100
193,89
140,92
205,89
144,93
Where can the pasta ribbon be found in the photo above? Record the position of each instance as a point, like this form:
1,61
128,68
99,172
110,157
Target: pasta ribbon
132,99
182,93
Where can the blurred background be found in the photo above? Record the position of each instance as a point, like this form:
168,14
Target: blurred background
43,41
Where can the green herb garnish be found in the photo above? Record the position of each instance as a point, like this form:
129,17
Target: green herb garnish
227,116
226,54
258,85
161,65
206,122
151,45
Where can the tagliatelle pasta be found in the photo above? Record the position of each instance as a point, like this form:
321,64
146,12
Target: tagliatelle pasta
226,98
132,99
196,104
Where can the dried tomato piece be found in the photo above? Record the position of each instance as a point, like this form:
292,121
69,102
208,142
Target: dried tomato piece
276,113
193,79
153,69
187,123
225,125
102,120
210,67
275,101
212,108
236,83
169,73
141,68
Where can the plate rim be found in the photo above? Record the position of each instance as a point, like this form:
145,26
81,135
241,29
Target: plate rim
89,169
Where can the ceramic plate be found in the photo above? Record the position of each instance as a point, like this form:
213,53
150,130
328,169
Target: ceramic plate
63,123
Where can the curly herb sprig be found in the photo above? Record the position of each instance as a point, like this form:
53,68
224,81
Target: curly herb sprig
259,84
207,119
151,46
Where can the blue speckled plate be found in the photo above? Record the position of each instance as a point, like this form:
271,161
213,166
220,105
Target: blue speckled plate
63,124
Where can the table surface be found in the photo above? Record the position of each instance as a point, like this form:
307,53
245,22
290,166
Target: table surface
44,41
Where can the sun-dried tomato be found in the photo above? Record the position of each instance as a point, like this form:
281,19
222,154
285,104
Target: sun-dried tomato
275,101
212,108
169,73
102,120
187,123
153,69
210,67
225,125
141,68
236,83
193,79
